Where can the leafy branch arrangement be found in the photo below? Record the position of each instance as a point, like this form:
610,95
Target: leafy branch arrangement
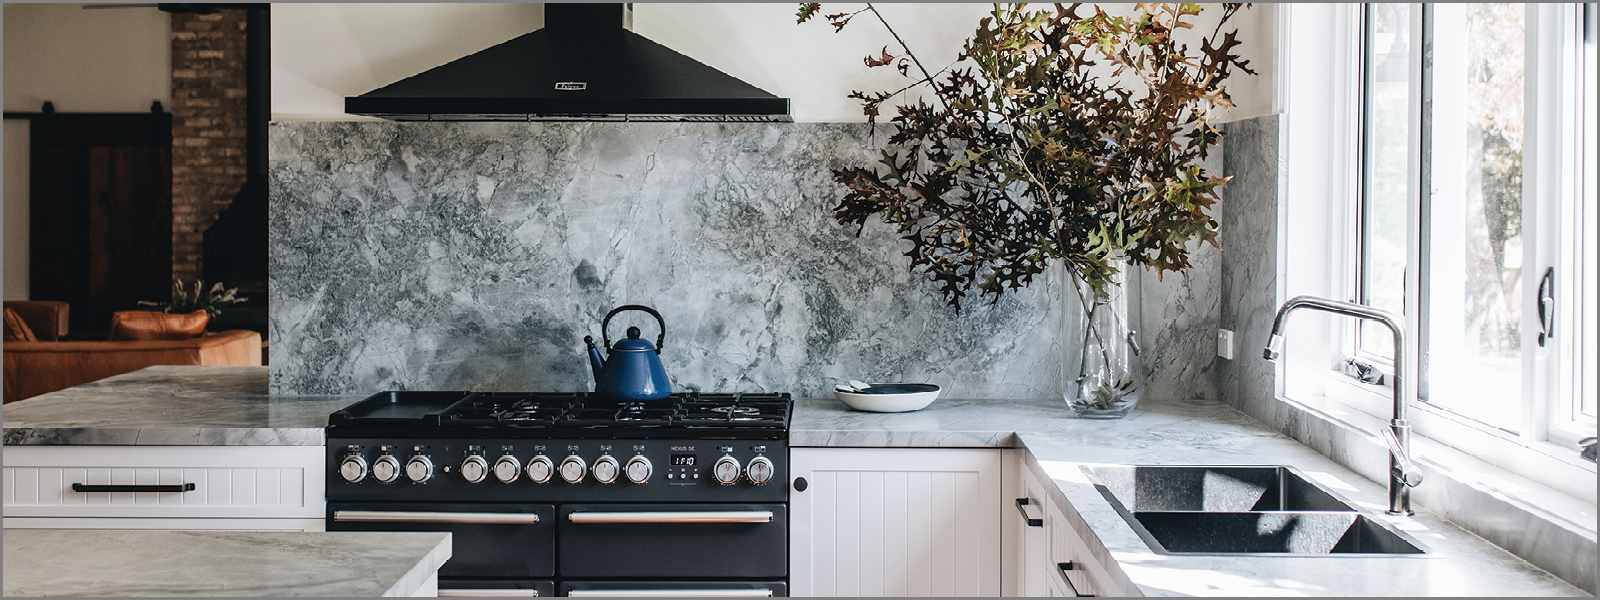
186,301
1055,135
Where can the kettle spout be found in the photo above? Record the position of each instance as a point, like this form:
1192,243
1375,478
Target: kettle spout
595,362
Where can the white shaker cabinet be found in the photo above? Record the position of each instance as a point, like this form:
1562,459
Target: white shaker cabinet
178,487
895,522
1031,526
1051,557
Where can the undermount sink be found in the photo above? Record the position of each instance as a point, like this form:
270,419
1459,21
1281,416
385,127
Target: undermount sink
1266,511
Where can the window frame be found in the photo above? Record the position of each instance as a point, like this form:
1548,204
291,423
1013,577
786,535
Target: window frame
1543,452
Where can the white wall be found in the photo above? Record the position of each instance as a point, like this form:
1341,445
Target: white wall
325,52
16,209
105,60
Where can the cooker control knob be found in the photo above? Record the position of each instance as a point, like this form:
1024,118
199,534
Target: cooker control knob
760,470
474,468
507,468
353,468
605,469
726,470
540,469
386,468
638,469
419,469
572,469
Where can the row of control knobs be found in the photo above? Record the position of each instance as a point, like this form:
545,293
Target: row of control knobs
540,469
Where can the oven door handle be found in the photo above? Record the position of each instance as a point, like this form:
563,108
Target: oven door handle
487,593
745,593
708,516
399,516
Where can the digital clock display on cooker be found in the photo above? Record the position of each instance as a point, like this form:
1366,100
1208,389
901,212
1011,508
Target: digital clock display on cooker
683,460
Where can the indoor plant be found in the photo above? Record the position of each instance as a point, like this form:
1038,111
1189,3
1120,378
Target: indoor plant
186,301
1056,137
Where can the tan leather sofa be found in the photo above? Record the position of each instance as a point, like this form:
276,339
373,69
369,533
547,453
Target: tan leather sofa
33,368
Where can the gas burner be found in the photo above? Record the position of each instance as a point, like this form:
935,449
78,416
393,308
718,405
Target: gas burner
576,413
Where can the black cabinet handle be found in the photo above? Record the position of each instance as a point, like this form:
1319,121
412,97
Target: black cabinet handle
1062,568
176,487
1022,503
800,484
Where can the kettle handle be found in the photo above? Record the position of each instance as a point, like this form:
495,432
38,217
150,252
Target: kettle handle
606,337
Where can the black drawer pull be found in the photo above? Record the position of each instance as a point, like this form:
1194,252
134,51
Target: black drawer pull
1062,568
176,487
1022,507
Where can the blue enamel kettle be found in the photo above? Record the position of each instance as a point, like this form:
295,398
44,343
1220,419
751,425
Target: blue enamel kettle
633,369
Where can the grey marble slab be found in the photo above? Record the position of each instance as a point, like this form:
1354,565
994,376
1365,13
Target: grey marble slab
54,562
173,406
479,255
1193,431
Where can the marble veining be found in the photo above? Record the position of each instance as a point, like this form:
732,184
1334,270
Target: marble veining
478,256
53,562
173,406
1179,318
1192,431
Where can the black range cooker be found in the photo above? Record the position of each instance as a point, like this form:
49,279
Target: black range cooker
573,493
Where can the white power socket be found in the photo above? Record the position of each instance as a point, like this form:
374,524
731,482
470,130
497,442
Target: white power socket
1225,343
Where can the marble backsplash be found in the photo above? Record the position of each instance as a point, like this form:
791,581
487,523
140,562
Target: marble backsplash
478,256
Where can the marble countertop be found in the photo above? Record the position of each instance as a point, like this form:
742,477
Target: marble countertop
173,406
52,562
1198,432
230,406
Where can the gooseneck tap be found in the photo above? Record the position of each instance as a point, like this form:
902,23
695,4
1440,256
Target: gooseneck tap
1403,474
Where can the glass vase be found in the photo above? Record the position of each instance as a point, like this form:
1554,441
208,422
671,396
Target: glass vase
1102,374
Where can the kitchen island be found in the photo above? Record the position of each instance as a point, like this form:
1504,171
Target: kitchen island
158,406
55,562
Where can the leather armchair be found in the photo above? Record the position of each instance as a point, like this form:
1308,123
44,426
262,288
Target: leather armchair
33,368
47,318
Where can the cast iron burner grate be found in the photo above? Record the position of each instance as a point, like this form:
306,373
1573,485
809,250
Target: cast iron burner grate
569,413
511,409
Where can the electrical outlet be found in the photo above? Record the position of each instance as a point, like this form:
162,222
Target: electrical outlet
1225,343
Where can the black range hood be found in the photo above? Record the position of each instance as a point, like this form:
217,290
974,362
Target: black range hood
584,65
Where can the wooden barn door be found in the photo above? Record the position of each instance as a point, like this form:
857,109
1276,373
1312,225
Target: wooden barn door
101,202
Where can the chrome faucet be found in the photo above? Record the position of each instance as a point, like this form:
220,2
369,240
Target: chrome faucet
1403,474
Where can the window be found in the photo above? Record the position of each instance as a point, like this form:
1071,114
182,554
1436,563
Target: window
1469,207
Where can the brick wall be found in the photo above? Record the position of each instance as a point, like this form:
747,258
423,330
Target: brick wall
208,127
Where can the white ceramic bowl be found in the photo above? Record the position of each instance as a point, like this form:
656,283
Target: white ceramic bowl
890,397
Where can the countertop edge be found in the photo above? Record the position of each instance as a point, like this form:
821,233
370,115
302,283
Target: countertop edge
424,569
164,436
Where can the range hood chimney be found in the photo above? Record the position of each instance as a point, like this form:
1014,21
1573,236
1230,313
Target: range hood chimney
586,64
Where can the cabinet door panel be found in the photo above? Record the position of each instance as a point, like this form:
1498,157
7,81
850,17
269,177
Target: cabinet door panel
229,481
896,522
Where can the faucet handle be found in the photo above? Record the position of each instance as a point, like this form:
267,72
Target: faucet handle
1406,471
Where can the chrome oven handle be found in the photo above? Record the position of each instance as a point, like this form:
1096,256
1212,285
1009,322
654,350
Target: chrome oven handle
488,593
709,516
398,516
745,593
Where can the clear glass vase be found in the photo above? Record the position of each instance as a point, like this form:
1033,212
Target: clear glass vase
1102,374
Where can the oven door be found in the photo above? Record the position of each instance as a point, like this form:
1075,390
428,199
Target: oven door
488,540
674,589
701,541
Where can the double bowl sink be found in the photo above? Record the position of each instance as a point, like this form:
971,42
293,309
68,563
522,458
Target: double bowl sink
1245,510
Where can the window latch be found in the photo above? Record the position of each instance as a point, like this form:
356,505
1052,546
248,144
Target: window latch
1363,372
1547,306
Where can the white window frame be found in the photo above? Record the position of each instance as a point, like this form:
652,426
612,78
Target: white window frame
1323,159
